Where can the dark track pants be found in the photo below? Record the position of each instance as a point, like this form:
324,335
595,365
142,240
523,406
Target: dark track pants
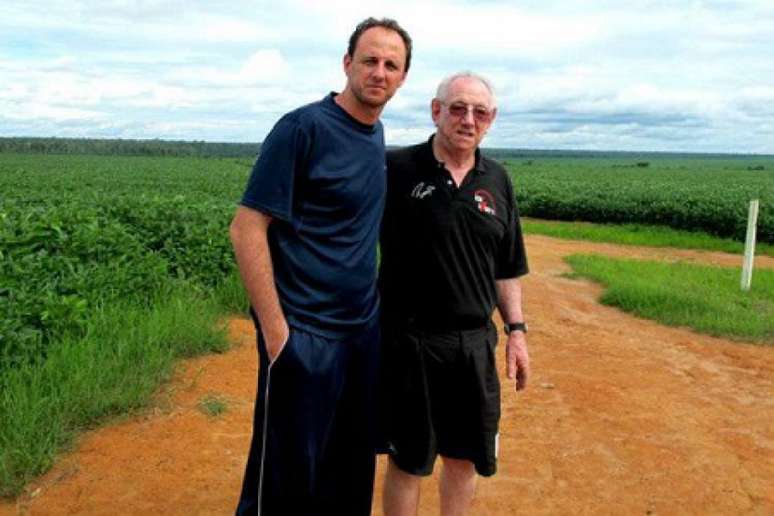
312,450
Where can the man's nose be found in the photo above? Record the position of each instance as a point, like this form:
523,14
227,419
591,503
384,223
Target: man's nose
380,71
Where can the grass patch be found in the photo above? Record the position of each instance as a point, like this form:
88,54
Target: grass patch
213,405
705,298
116,367
230,295
637,234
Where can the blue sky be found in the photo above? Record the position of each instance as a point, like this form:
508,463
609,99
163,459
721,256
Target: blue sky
599,75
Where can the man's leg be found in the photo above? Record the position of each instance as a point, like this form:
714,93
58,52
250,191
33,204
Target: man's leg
409,424
400,496
457,486
302,389
248,500
468,402
349,466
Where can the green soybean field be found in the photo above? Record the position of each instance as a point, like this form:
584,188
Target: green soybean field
80,231
77,232
691,193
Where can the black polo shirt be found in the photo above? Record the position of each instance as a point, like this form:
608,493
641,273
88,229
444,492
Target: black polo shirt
442,246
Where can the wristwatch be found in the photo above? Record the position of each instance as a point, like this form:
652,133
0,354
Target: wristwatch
517,326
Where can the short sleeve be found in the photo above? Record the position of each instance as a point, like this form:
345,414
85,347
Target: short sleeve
512,256
282,158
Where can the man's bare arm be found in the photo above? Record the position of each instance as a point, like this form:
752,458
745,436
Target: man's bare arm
248,231
517,356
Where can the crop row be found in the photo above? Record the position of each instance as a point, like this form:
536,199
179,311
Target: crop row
697,195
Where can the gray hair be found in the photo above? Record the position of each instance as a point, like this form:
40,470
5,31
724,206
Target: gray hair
443,88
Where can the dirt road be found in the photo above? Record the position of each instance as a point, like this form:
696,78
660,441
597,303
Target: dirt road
622,416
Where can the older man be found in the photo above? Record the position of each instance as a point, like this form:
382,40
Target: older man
451,249
305,240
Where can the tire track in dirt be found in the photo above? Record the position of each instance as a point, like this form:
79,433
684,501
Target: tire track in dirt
622,415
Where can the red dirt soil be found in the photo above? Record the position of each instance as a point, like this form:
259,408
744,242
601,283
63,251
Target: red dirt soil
621,416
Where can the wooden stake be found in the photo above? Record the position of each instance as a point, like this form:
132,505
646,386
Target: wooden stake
749,246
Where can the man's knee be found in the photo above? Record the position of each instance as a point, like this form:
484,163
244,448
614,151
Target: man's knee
402,478
460,469
401,492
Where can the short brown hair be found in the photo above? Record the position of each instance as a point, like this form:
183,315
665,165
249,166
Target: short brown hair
386,23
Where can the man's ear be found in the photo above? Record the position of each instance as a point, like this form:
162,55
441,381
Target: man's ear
346,63
435,110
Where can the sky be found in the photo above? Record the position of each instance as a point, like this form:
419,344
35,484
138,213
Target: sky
640,75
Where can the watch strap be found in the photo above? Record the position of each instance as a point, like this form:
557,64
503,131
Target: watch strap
517,326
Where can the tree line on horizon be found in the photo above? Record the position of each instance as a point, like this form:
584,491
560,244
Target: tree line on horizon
201,148
122,147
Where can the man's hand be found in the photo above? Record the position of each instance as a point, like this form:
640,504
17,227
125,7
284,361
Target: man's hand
517,358
275,338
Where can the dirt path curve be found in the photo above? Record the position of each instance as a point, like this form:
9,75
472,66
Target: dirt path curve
622,416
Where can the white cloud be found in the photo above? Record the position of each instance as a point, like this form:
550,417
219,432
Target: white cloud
265,66
35,111
648,74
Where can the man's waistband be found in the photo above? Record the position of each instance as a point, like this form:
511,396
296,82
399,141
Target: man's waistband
329,331
468,328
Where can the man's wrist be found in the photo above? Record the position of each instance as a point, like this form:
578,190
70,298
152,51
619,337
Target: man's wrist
515,326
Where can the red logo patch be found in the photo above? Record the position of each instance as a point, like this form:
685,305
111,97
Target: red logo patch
485,202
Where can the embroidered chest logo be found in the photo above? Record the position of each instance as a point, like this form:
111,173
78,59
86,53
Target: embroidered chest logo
484,202
422,190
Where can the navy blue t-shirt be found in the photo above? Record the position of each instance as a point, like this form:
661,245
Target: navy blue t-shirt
321,176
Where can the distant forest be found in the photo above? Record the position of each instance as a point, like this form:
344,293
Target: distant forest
121,147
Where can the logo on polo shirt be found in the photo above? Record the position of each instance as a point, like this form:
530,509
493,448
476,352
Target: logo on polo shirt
484,202
422,190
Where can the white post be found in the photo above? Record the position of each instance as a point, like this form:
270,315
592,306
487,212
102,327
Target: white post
749,246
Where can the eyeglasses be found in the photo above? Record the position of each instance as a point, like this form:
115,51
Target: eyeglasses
460,110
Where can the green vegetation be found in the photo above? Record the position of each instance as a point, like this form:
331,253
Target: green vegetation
213,405
114,366
80,232
637,234
705,298
689,193
231,295
110,269
108,147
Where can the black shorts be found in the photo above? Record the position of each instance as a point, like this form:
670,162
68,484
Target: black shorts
441,394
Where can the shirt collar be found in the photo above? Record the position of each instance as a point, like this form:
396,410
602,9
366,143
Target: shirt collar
427,155
329,100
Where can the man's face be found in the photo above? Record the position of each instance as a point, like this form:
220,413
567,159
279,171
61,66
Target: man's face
376,70
465,115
